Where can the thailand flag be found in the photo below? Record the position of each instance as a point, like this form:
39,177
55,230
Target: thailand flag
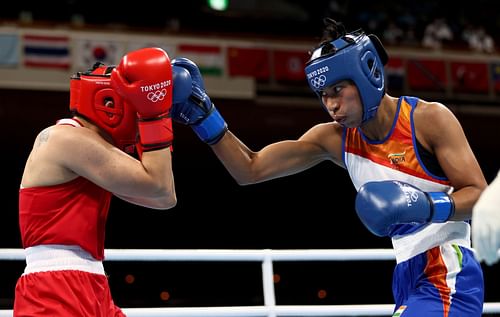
46,51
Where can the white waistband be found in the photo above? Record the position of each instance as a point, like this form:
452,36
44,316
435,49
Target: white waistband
410,245
44,258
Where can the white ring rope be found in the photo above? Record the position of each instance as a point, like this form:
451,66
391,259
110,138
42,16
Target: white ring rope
267,257
227,255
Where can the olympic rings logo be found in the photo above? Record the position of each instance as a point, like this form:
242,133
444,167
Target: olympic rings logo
318,81
157,95
414,196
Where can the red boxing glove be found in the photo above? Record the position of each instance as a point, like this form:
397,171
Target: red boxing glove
144,80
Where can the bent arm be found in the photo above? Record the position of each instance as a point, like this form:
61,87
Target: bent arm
148,183
163,195
448,142
278,159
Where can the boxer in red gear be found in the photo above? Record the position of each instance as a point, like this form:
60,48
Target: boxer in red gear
74,169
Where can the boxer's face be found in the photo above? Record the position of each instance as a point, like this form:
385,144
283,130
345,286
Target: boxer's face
343,103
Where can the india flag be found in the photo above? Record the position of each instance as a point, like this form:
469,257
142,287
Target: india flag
209,59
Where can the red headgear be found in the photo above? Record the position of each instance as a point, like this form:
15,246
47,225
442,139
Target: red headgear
89,93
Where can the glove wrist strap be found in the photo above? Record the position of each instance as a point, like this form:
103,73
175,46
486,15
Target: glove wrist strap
443,207
212,128
155,133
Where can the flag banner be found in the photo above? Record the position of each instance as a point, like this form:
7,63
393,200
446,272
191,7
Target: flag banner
9,50
289,65
427,75
46,51
135,45
249,62
495,75
395,73
92,51
208,58
470,77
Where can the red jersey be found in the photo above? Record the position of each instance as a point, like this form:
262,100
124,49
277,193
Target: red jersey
73,213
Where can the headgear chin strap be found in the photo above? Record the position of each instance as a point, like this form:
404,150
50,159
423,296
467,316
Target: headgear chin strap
90,93
356,57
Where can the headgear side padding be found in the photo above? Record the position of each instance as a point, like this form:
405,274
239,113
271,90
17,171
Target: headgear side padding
90,96
355,57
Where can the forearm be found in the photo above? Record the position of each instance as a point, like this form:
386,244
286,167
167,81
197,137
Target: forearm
236,157
464,200
158,167
275,160
153,182
154,203
151,179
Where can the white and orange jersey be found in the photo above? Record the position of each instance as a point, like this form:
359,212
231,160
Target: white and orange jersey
400,157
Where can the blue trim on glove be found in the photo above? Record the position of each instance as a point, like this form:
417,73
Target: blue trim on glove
443,206
212,128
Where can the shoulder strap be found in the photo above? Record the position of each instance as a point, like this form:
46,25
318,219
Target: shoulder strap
411,100
71,122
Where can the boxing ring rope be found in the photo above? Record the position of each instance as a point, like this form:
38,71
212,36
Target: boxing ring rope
267,257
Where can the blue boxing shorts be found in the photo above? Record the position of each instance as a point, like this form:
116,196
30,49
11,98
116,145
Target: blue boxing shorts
444,281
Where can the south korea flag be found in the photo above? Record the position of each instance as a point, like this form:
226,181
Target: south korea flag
91,51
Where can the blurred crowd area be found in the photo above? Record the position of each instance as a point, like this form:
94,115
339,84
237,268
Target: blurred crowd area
428,24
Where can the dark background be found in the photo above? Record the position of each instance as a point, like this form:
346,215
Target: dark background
311,210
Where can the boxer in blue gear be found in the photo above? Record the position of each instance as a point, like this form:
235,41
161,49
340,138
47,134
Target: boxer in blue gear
416,175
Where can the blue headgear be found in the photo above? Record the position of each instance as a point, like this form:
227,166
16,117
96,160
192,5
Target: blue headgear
354,57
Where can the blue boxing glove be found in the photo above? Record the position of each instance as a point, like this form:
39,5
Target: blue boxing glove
182,85
380,205
197,110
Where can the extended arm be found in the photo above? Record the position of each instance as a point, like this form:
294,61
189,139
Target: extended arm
246,166
273,161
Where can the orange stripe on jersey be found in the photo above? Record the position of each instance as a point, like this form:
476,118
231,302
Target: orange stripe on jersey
389,163
396,152
436,271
